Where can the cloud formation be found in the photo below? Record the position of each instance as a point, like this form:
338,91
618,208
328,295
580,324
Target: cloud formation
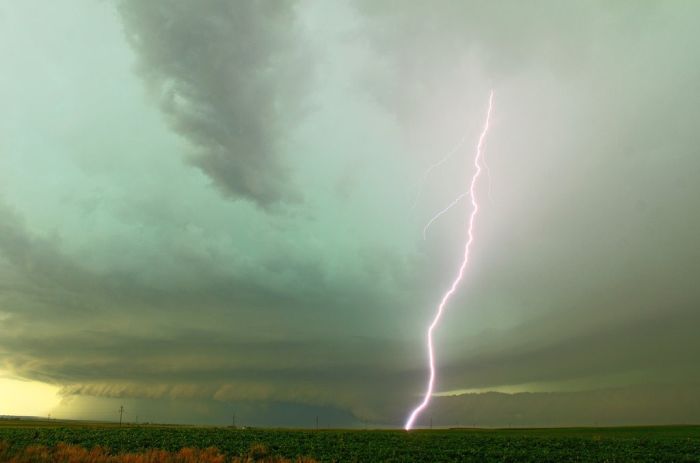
123,276
230,78
640,405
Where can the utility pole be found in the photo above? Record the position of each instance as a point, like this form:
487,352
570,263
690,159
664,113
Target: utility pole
121,412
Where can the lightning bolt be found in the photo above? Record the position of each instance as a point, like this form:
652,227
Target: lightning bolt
434,166
437,216
446,297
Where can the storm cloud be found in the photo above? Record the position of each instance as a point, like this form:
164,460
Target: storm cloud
127,275
230,78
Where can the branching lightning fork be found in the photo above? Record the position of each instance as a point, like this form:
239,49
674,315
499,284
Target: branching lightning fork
429,170
437,216
446,297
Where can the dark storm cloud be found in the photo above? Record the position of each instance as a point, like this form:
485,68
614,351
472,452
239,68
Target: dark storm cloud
586,265
648,347
217,338
55,278
40,268
211,365
597,252
229,77
99,357
639,405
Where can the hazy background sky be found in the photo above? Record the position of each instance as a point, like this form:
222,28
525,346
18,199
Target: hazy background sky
209,207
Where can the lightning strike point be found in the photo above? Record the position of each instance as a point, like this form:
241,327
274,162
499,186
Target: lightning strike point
460,274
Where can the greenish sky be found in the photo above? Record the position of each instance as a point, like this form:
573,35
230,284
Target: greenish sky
209,207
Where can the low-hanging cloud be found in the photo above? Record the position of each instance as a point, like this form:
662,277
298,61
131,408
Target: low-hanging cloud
229,77
584,269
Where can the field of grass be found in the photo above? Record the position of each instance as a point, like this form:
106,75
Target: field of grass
633,444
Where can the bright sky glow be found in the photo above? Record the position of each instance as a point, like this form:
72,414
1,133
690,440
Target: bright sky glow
27,398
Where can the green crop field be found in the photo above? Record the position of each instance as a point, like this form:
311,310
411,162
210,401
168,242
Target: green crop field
633,444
